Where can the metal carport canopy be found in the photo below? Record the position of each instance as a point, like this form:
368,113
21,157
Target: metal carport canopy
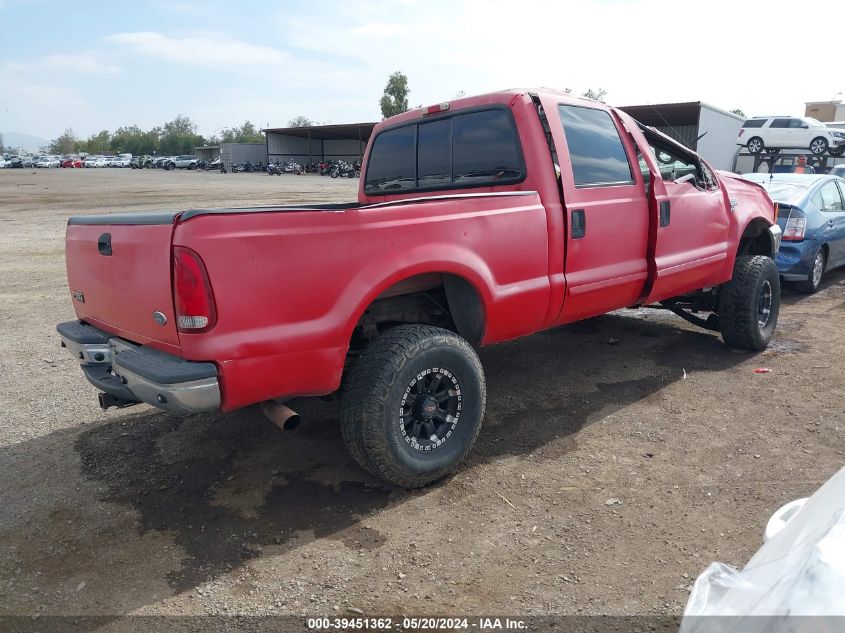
341,132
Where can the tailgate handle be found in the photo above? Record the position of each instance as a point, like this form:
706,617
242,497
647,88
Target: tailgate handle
104,244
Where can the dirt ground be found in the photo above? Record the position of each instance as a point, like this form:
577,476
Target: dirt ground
618,458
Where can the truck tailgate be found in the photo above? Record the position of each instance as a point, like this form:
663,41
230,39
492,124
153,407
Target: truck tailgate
119,276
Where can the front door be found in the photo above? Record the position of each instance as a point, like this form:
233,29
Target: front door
833,213
692,236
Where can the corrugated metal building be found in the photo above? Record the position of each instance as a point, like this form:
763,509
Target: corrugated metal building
709,131
235,153
318,142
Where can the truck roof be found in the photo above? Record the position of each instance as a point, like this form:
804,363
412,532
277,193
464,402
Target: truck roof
499,96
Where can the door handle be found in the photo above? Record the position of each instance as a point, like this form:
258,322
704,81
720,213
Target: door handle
665,213
579,224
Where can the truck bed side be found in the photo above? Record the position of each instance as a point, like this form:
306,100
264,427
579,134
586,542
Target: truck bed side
290,288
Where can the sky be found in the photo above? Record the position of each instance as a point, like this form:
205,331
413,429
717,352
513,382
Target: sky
90,65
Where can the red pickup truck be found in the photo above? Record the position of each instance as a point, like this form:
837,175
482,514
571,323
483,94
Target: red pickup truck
477,221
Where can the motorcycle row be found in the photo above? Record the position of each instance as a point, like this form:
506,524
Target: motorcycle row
337,169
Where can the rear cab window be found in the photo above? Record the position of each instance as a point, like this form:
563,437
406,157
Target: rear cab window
465,149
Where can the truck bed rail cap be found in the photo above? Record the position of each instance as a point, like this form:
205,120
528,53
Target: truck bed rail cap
167,217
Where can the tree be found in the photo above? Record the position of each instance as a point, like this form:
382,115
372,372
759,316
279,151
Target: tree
2,147
133,140
98,143
395,98
246,133
595,95
738,111
300,121
179,136
65,144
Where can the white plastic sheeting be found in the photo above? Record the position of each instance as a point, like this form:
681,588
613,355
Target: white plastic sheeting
799,571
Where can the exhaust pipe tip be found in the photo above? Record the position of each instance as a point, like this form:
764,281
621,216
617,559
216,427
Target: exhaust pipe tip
292,422
280,415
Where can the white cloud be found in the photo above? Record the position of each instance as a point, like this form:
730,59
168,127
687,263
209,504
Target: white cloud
379,29
82,62
200,51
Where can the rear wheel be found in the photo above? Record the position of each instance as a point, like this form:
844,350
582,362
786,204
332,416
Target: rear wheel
749,303
412,405
818,145
755,145
814,277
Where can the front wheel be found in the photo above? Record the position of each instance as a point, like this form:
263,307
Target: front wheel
749,303
412,405
819,145
814,277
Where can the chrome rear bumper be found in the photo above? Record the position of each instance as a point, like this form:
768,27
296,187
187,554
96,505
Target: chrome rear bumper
134,373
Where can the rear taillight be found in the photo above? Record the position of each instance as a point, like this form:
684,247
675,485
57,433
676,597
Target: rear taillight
192,297
796,224
741,131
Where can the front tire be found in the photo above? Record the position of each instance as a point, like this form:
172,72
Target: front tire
749,303
814,277
412,405
819,145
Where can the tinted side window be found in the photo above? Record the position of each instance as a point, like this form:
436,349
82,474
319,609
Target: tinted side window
485,147
780,123
392,162
595,149
796,123
754,123
434,153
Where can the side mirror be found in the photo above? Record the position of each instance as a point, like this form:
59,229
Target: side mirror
804,126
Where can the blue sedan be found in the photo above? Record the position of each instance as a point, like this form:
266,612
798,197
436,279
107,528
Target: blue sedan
811,214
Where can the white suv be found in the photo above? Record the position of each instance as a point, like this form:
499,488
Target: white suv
782,132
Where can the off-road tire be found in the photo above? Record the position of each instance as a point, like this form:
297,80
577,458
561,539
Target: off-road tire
742,301
372,397
812,283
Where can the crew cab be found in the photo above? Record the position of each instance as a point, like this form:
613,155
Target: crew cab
477,221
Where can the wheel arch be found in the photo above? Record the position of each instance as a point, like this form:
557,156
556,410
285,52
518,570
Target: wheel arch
756,239
466,291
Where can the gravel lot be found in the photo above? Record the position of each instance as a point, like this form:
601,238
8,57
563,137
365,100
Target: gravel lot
619,457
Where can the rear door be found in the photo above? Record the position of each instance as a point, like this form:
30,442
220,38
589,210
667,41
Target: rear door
119,276
778,133
606,211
